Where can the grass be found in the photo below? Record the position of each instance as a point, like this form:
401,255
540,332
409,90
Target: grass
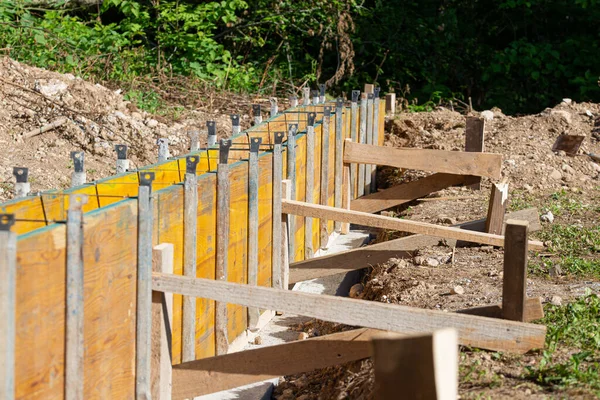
571,358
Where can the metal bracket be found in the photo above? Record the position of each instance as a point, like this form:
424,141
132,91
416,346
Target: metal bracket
146,178
376,91
235,120
121,150
311,118
78,157
322,89
212,128
77,201
314,93
190,164
327,111
21,174
292,129
224,146
255,144
256,110
355,95
370,96
293,97
6,221
279,137
339,103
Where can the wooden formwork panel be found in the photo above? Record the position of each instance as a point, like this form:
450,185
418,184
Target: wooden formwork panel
109,307
265,218
300,196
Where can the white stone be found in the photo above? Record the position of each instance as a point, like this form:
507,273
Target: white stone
548,217
432,262
556,301
564,115
151,123
457,290
488,115
555,174
567,101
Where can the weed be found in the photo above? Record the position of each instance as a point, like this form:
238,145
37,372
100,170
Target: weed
521,200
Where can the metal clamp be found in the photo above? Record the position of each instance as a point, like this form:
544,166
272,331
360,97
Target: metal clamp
121,150
224,146
77,157
339,103
146,178
255,144
311,118
235,120
256,110
6,221
279,137
370,96
327,111
212,128
322,89
355,95
21,174
190,164
376,91
292,129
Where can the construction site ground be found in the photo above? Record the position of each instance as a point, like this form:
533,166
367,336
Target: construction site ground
567,186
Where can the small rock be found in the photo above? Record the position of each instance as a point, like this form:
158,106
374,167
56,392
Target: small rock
568,169
555,271
419,260
356,291
595,167
488,115
564,115
302,336
561,153
288,392
151,123
432,262
447,220
528,187
555,174
548,217
486,249
457,290
556,301
137,115
567,101
589,113
258,340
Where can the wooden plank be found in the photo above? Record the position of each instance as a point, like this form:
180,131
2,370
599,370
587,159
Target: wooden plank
74,349
190,207
496,209
515,270
253,221
144,293
362,257
379,221
474,140
420,367
291,176
229,371
407,192
474,331
223,204
362,138
276,227
390,103
369,88
339,155
286,188
451,162
370,137
162,317
534,310
324,235
376,108
346,199
310,185
8,281
354,138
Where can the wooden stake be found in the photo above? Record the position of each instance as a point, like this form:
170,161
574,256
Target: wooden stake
474,331
8,298
346,200
369,88
370,141
324,174
144,287
223,199
276,227
253,221
474,140
515,270
362,138
339,158
354,137
286,233
390,104
190,218
310,184
497,208
375,134
420,367
162,317
291,176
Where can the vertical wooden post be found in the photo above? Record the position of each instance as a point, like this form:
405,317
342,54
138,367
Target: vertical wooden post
474,141
286,233
324,173
235,125
122,161
362,138
515,270
390,104
256,113
223,195
339,158
78,177
22,187
417,367
306,96
354,137
211,127
8,298
291,176
496,209
277,281
190,220
253,220
194,140
347,195
369,167
310,183
375,134
162,317
369,88
144,287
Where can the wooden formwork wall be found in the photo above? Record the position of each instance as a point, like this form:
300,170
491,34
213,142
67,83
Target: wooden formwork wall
110,259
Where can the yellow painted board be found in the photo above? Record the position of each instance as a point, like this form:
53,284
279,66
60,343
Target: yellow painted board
300,195
120,186
29,213
265,218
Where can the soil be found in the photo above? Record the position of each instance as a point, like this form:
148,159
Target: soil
98,119
534,172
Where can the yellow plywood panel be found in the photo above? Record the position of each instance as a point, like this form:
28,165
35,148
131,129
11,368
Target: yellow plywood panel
381,116
265,218
29,213
317,185
115,189
165,174
300,194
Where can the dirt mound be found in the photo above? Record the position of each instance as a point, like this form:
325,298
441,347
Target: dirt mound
97,119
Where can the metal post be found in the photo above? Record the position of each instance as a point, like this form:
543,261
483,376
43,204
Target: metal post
322,93
223,195
368,168
190,221
315,96
325,174
194,141
211,127
78,177
354,138
8,298
122,161
144,288
22,187
256,113
74,346
253,223
310,183
163,149
339,157
293,101
277,281
375,135
235,124
306,96
291,176
274,109
362,138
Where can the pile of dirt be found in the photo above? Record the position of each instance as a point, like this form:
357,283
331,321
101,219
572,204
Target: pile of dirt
97,119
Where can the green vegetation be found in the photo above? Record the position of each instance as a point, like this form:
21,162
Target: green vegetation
572,347
520,55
